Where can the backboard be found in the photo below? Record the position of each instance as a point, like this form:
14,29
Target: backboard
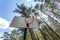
20,22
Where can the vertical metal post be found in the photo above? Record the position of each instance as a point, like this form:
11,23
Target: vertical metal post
25,32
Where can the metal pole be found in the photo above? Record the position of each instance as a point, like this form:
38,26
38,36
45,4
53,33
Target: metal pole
25,31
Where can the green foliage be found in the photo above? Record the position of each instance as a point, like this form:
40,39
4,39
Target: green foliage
37,6
22,9
15,35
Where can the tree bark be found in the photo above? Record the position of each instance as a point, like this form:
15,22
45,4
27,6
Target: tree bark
42,34
32,33
51,29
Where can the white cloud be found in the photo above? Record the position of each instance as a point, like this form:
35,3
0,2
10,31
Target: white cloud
0,35
12,28
28,0
4,24
1,38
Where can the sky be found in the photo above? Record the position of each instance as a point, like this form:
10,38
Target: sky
7,14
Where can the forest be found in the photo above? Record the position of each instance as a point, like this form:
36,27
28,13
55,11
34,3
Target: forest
49,24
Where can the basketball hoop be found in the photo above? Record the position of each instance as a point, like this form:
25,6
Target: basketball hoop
29,20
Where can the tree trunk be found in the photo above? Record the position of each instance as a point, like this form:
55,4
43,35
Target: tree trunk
51,29
32,33
52,18
42,34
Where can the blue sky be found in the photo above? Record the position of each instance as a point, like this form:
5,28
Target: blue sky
7,14
7,6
